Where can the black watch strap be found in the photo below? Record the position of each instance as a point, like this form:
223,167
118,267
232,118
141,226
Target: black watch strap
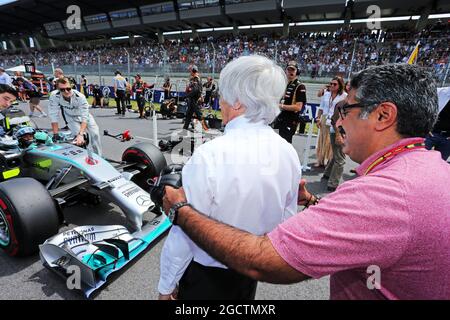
174,210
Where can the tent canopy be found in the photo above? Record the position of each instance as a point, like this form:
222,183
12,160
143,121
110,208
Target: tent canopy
20,68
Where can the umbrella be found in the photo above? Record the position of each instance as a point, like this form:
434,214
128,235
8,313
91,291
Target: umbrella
20,68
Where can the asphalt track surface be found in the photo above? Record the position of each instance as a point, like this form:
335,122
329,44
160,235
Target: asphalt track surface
27,279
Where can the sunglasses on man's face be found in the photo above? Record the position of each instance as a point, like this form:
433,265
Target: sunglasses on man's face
343,109
65,89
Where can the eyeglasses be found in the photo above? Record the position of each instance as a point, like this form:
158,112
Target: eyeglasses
333,84
343,109
65,89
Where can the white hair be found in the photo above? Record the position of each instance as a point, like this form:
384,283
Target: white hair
257,83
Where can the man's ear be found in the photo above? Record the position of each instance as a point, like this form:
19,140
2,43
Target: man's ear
237,105
385,115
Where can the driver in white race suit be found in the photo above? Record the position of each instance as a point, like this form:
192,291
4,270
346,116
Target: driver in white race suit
76,109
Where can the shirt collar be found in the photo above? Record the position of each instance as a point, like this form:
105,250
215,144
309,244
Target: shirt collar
242,122
366,163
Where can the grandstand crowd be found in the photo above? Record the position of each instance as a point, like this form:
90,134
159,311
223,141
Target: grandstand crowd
316,53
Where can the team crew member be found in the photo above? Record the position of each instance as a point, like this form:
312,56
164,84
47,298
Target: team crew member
292,104
193,94
138,88
391,223
210,87
77,113
167,87
120,85
224,180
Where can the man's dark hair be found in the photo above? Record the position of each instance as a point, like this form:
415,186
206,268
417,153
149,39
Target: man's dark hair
412,89
4,88
117,72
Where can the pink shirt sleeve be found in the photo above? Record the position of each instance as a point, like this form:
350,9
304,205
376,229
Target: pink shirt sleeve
365,222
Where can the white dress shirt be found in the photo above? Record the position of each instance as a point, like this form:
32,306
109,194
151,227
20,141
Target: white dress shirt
327,104
5,79
247,178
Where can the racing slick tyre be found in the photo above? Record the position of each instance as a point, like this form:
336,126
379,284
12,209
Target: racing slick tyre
150,162
28,216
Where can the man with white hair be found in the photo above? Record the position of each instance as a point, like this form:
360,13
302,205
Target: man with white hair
240,178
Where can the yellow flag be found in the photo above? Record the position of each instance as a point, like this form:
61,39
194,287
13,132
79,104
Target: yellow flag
413,57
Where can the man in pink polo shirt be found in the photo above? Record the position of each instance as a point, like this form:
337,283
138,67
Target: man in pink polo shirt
382,235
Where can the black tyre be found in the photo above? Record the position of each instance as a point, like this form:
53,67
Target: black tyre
28,216
149,160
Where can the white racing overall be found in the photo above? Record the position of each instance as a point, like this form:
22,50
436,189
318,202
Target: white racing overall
76,112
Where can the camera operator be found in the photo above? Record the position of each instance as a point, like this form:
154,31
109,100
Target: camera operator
247,178
292,104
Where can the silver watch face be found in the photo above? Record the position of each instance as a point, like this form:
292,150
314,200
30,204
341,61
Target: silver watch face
171,214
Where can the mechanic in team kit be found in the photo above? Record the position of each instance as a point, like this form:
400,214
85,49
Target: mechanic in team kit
292,104
193,94
76,108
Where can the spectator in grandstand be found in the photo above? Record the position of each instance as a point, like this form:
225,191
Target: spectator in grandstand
292,103
138,88
4,77
76,108
223,180
193,95
439,137
379,226
335,167
120,85
324,152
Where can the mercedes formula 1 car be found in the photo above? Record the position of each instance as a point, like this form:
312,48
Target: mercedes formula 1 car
41,177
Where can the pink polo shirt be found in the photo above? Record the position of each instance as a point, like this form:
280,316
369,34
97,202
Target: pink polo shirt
396,218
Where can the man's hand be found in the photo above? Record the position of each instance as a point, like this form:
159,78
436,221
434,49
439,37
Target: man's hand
172,296
79,140
173,196
303,195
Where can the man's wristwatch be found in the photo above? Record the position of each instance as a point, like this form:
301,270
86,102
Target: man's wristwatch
173,212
